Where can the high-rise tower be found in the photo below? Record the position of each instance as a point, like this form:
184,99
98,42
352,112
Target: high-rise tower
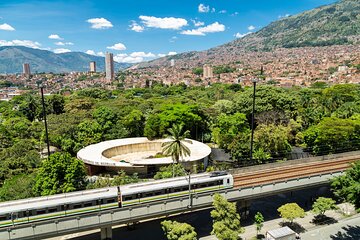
26,70
109,66
93,67
208,71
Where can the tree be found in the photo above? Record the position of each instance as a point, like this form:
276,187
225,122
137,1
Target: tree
259,220
227,127
178,231
272,139
290,211
322,204
17,187
333,135
176,147
347,186
176,170
60,173
226,221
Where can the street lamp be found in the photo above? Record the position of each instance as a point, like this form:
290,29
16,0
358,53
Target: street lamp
44,113
252,121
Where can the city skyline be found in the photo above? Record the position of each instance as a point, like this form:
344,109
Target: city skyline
137,31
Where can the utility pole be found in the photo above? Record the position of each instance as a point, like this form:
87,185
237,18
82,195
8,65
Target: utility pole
44,113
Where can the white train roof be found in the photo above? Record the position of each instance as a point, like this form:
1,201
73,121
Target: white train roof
101,193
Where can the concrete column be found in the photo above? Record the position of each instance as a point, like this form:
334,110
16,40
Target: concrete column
106,233
243,207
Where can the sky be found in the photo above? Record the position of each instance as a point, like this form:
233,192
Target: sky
138,30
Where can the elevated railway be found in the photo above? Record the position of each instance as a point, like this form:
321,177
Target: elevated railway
248,183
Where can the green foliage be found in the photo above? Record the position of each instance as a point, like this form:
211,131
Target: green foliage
347,186
291,211
223,69
190,116
17,187
227,127
272,139
226,221
197,71
120,179
178,231
175,170
176,147
322,204
333,135
259,221
60,173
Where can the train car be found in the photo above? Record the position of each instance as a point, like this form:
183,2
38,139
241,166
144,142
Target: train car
59,205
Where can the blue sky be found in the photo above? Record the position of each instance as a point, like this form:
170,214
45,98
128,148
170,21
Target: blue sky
137,30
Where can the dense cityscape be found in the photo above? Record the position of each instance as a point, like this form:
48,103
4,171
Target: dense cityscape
255,137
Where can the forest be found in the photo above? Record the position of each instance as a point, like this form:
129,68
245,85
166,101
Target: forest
318,120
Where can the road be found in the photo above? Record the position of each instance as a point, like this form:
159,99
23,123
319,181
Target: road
346,229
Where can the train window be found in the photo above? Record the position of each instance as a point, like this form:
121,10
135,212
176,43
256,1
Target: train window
3,217
77,206
228,181
110,200
148,194
88,204
51,210
42,211
158,193
127,198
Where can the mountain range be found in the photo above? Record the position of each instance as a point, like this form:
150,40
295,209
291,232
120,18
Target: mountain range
334,24
13,57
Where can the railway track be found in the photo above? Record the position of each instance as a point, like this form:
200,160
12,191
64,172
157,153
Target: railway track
290,172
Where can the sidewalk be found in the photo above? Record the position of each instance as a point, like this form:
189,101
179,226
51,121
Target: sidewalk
304,226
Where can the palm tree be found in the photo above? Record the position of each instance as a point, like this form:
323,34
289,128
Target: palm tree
176,147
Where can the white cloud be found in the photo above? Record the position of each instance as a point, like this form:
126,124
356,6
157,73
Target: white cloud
163,23
136,27
100,23
55,36
197,23
234,14
173,39
172,53
142,54
61,50
101,54
215,27
213,10
222,11
251,28
124,58
117,46
6,27
203,8
161,55
284,16
63,43
240,35
90,52
25,43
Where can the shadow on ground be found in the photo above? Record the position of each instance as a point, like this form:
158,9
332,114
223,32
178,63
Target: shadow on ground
294,226
347,233
323,220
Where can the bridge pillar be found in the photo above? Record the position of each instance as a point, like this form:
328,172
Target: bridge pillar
106,233
243,207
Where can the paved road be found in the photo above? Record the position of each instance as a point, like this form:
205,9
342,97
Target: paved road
346,229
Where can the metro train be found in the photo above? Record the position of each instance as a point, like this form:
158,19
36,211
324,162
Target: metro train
59,205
